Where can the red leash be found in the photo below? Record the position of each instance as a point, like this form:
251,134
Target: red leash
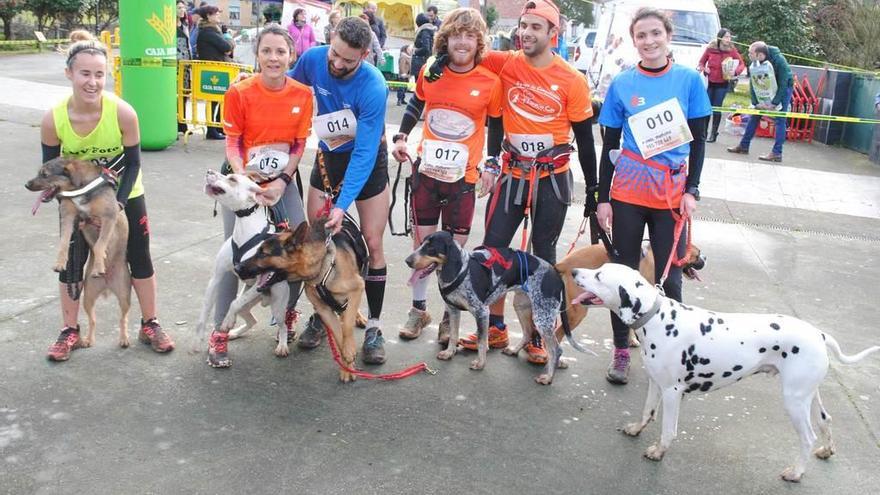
581,230
406,373
680,221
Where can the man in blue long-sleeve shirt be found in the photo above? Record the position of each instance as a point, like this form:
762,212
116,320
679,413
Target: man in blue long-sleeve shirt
350,124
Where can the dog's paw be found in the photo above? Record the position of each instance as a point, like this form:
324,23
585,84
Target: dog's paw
346,377
123,342
85,342
476,364
544,379
97,272
446,355
632,429
562,365
281,350
655,452
792,474
510,351
824,452
633,340
59,267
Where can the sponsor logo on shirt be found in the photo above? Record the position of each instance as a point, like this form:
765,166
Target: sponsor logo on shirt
294,110
323,91
535,104
637,101
449,124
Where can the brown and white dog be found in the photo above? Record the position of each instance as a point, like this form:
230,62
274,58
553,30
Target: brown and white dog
596,255
87,198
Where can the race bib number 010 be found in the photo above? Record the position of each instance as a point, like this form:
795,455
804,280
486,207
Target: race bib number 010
336,128
531,144
660,128
268,161
443,160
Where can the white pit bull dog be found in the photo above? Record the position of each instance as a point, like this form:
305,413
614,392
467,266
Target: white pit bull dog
688,349
238,193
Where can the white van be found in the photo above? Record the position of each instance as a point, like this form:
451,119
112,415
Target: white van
695,23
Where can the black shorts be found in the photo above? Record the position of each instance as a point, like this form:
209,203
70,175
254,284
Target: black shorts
336,165
139,260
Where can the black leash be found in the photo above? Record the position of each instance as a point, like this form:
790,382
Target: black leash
407,189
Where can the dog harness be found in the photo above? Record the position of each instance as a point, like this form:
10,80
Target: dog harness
239,251
351,236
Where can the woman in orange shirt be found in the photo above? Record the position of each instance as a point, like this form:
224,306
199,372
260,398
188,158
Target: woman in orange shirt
268,115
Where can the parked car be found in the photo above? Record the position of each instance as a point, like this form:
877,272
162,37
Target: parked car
583,50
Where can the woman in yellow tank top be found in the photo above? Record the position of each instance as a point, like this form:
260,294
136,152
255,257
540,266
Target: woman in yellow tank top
92,125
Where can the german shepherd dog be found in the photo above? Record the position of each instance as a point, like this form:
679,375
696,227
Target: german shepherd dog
330,269
103,225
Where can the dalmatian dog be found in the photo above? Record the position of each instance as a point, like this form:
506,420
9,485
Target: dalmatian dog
688,349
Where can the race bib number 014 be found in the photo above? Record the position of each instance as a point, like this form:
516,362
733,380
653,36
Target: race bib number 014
660,128
335,128
443,160
531,144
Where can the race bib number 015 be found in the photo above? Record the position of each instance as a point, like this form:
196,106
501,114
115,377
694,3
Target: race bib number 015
269,161
660,128
444,161
531,144
335,128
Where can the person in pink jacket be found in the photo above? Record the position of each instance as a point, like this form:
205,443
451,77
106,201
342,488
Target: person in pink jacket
301,32
721,62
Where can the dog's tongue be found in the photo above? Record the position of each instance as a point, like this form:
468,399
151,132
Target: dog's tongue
37,204
263,278
419,274
583,296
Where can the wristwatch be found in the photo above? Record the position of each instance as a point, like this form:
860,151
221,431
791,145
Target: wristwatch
693,191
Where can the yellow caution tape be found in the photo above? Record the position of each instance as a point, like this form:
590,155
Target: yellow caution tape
798,115
34,42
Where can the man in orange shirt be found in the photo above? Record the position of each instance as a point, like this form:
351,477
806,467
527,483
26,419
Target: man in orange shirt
451,150
545,99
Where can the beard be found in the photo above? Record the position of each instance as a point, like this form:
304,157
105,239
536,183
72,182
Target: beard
340,74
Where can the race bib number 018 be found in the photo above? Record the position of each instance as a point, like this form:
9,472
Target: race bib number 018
660,128
336,128
531,144
444,161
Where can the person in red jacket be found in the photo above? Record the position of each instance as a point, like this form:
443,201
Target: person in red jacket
721,62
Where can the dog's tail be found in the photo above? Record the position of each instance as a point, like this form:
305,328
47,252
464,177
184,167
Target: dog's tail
843,358
563,314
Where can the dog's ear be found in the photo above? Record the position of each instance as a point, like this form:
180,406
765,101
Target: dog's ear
301,233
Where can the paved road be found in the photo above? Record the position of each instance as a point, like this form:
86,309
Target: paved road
799,238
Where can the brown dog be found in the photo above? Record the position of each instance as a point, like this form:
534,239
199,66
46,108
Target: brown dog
330,272
593,257
103,225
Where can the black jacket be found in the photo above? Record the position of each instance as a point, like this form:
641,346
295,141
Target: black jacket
211,45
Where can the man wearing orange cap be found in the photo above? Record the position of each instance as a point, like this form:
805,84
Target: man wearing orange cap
545,99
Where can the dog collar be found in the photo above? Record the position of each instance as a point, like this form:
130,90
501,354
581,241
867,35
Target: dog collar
246,212
642,320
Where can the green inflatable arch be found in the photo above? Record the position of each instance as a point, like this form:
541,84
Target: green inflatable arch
148,55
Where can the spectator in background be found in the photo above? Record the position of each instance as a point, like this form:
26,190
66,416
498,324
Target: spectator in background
378,26
376,56
194,19
301,32
721,62
183,49
212,46
433,15
562,43
770,85
330,28
404,66
423,45
877,103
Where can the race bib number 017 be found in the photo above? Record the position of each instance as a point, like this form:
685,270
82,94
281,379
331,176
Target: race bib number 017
660,128
335,128
531,144
444,161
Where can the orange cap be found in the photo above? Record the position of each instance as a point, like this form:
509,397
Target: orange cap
546,9
542,8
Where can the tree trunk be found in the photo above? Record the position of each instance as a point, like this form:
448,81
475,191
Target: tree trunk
7,27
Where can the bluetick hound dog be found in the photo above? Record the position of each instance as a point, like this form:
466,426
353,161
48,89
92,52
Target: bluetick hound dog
472,281
688,349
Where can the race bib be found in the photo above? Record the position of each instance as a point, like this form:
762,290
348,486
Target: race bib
660,128
531,144
443,160
335,128
268,160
